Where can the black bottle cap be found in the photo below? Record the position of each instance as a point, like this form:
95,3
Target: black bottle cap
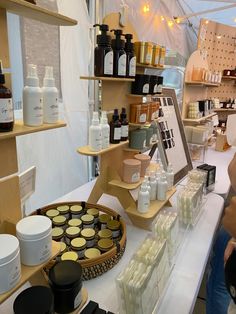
2,76
129,46
103,38
115,115
117,43
123,114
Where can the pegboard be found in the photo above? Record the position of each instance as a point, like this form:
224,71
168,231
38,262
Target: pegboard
219,43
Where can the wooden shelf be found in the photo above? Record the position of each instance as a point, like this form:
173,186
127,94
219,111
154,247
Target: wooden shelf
84,150
29,271
35,12
148,66
128,149
146,124
21,129
202,84
200,119
124,185
142,96
224,110
106,78
229,78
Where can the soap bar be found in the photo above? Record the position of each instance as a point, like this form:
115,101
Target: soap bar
90,308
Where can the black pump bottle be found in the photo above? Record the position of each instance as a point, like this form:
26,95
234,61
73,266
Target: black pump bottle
119,61
103,54
131,59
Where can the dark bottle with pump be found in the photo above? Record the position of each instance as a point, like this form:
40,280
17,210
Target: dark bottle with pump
115,128
119,60
131,58
103,53
124,125
6,106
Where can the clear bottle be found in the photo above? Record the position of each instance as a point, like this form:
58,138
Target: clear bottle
143,199
6,105
105,130
50,97
162,189
124,125
32,99
115,128
153,187
170,176
95,134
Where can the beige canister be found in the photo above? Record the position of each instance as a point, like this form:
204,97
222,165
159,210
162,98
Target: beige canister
145,162
131,170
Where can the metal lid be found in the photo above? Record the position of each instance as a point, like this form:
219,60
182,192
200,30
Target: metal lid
52,213
113,224
76,208
87,218
72,231
105,234
93,212
92,253
75,222
78,243
57,232
104,218
88,233
63,209
105,244
59,220
69,256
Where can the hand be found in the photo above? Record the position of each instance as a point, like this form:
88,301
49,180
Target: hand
229,249
232,172
229,219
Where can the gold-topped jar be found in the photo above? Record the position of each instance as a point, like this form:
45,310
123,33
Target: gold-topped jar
79,245
71,233
88,221
64,210
148,52
162,56
156,51
137,46
57,234
105,234
76,211
75,222
62,250
103,220
69,256
51,213
89,235
114,226
105,245
92,253
95,213
59,221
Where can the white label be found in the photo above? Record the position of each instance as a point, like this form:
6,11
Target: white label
144,143
6,110
45,253
146,88
148,57
157,59
122,65
132,66
117,133
153,115
116,233
124,131
108,63
78,300
50,107
74,216
159,89
90,243
135,177
95,138
14,275
143,118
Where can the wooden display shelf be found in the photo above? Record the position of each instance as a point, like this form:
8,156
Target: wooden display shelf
200,119
21,129
28,271
144,220
135,150
35,12
149,66
84,150
124,185
202,84
107,78
229,78
224,110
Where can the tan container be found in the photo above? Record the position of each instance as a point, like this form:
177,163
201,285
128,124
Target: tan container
139,113
137,46
156,51
131,171
145,162
153,110
162,56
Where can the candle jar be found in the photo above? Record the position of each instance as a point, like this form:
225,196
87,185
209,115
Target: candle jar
57,234
139,113
71,233
59,221
76,211
105,234
114,226
92,253
105,245
64,210
95,213
145,162
103,220
75,223
131,170
51,213
79,245
89,235
88,221
156,50
197,74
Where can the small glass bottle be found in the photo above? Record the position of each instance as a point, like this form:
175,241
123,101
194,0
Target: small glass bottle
124,125
115,128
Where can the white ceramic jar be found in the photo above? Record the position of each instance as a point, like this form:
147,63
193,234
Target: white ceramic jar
10,267
35,236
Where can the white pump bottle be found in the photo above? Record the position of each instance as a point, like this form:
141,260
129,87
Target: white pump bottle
95,134
105,130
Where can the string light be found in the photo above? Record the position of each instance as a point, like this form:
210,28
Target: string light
170,23
178,21
206,22
146,8
162,18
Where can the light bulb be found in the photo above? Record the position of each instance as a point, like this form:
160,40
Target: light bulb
146,8
170,23
206,22
162,18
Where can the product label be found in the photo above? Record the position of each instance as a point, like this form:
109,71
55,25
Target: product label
88,226
148,57
153,115
45,253
122,65
135,177
6,110
74,216
38,109
146,88
157,60
103,226
162,60
108,63
117,133
115,234
132,66
124,131
144,143
143,118
78,300
90,243
14,276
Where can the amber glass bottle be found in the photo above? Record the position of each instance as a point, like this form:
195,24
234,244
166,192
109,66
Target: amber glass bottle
115,128
6,106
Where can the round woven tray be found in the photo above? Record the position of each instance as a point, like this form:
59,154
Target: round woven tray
95,267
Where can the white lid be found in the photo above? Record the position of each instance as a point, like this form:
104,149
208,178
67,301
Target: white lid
95,120
33,227
49,80
9,246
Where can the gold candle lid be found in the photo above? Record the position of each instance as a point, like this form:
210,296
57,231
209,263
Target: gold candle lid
105,244
52,213
63,209
78,243
75,222
57,232
72,231
59,220
87,218
113,224
93,212
69,256
105,234
92,253
76,209
63,247
104,218
88,233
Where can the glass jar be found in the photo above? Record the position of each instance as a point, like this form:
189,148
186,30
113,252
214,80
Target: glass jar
76,211
197,74
139,113
57,234
64,210
51,213
79,245
148,53
114,226
156,50
88,221
105,234
103,220
89,235
71,233
75,222
92,253
162,56
95,213
69,256
137,46
59,221
105,245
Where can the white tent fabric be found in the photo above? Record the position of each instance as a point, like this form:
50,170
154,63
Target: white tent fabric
59,168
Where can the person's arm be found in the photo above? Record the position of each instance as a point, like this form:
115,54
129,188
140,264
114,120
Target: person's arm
229,219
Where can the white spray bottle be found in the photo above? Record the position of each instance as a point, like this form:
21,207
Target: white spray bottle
95,134
105,130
